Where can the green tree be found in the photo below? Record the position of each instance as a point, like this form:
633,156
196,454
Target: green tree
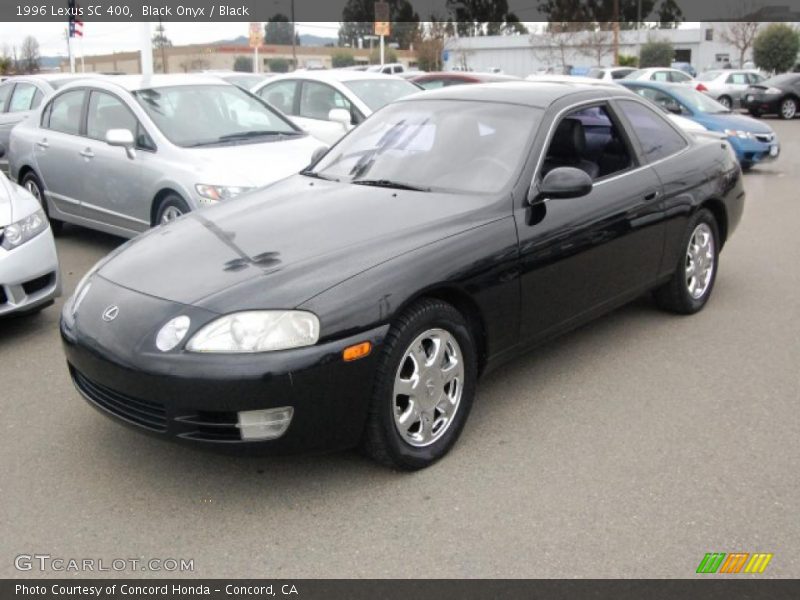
626,60
278,65
342,58
279,31
775,48
29,59
666,13
484,17
358,19
656,53
243,64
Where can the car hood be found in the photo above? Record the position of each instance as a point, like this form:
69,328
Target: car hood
281,245
730,121
253,165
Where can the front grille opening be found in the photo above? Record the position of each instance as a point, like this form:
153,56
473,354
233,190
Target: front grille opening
212,426
38,284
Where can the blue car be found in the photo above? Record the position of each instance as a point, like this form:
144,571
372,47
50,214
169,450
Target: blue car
753,141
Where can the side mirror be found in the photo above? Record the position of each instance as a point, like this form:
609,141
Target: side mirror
341,116
2,151
562,182
122,138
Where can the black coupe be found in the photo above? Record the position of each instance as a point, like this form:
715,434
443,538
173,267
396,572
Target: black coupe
358,302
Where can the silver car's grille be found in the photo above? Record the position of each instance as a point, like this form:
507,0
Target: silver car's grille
765,137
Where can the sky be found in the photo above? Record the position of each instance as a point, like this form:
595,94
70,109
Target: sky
104,38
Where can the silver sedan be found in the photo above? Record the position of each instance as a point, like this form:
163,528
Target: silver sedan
727,86
122,154
29,276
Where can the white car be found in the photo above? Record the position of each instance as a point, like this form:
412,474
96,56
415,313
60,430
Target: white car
328,104
29,276
661,74
609,73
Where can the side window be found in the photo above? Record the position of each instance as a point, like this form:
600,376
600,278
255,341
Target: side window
22,98
318,99
619,74
280,95
755,77
5,91
65,112
590,140
37,99
660,76
108,112
678,77
656,136
738,78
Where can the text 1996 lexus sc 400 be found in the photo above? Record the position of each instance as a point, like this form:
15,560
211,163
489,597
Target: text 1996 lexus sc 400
359,301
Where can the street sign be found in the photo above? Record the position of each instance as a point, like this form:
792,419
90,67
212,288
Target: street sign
256,35
382,19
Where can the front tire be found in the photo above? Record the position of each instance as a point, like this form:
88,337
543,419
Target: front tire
693,281
33,185
788,109
171,207
424,387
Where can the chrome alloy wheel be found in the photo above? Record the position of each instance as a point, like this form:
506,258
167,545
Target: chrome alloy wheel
788,108
699,261
428,387
34,190
170,214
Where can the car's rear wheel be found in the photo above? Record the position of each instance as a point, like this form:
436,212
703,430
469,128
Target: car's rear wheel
725,101
171,207
693,281
425,384
33,185
788,108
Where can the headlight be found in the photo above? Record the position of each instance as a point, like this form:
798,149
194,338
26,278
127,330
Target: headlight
257,331
23,230
773,90
219,192
745,135
171,334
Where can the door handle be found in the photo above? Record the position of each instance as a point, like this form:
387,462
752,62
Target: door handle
87,153
651,196
43,143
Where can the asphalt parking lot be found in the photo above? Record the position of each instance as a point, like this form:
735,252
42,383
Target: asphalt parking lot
629,448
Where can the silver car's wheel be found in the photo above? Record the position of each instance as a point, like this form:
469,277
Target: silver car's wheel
725,101
428,387
170,214
31,186
700,261
788,109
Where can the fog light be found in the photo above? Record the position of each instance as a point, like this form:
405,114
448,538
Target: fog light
264,424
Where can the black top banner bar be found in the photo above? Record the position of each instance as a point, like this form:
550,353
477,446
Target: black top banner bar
402,10
344,589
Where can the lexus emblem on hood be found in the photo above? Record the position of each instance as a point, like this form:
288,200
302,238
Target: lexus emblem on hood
110,313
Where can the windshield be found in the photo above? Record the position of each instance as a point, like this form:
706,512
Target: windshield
377,93
244,80
596,73
207,115
697,101
441,145
708,75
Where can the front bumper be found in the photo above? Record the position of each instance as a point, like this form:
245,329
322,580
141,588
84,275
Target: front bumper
194,398
29,275
752,151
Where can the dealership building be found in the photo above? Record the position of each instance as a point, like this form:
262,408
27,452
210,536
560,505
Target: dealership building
521,55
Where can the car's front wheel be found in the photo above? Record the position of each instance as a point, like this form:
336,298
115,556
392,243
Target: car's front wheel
691,284
788,108
425,384
172,207
34,186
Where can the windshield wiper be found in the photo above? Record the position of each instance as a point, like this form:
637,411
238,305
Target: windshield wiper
315,175
387,183
243,135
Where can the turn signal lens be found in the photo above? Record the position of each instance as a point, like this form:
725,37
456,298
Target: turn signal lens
358,351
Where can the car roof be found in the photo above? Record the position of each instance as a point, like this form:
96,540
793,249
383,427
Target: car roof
539,95
658,85
335,75
464,76
133,83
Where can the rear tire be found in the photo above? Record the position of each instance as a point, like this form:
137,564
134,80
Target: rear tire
726,102
171,207
693,280
33,184
788,109
430,354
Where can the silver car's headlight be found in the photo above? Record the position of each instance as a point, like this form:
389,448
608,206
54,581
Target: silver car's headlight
21,231
219,192
257,331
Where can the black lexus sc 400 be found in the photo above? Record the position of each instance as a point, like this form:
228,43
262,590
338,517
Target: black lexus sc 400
358,302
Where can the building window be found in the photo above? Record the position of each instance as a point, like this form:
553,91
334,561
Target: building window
709,35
